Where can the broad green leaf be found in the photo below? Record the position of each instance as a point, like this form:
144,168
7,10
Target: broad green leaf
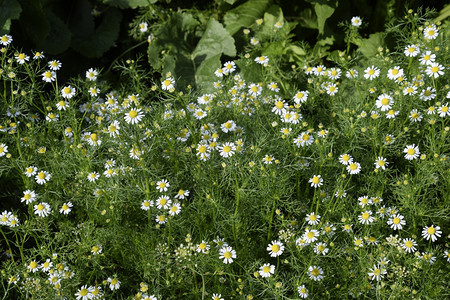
129,3
275,48
308,19
245,14
58,39
103,38
369,47
204,75
231,1
9,10
215,40
323,12
33,20
296,50
250,71
82,22
273,15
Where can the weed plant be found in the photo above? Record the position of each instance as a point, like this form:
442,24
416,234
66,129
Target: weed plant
323,181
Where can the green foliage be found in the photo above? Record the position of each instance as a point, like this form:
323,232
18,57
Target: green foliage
245,14
123,4
177,49
9,10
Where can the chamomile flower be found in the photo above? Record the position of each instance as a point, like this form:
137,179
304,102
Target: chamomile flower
427,58
443,110
262,60
384,102
312,219
93,176
113,128
409,245
229,67
354,168
301,97
280,106
227,149
411,152
42,209
29,196
254,90
114,283
431,32
217,297
175,209
321,248
352,73
6,39
428,94
381,162
49,76
435,70
411,51
182,194
431,232
68,92
366,217
395,73
227,254
319,70
219,72
415,116
371,73
310,236
91,74
304,139
275,248
52,117
332,89
268,159
377,273
163,202
54,65
228,126
62,105
273,86
203,151
302,291
42,177
66,208
356,21
30,171
396,221
410,90
364,200
266,270
168,84
162,185
134,116
315,273
316,181
334,73
146,204
203,247
143,27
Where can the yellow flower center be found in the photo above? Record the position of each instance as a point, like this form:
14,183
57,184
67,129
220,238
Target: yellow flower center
226,149
266,269
280,105
365,216
315,180
371,72
434,69
133,114
305,137
33,265
431,230
163,201
202,246
381,162
67,90
353,166
41,175
275,248
315,272
431,32
385,101
227,254
394,72
310,235
409,244
161,218
167,82
396,220
411,151
321,248
94,137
